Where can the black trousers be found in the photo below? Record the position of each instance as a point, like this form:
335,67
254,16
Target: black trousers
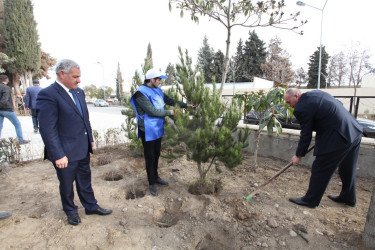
324,166
34,116
80,172
151,150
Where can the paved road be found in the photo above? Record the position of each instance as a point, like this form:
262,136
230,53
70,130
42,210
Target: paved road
102,119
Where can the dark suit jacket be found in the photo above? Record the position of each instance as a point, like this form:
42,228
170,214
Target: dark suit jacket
64,131
335,127
30,97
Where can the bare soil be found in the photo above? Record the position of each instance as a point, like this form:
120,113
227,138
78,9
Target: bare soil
178,219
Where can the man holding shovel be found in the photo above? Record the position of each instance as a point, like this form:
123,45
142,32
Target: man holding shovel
337,143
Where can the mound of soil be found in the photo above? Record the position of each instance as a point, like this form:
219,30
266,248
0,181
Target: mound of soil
178,218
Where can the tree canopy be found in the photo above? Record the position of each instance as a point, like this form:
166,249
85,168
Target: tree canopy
21,36
314,69
243,13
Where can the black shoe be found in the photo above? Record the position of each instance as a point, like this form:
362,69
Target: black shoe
74,219
153,190
300,201
23,142
160,181
341,200
4,215
100,211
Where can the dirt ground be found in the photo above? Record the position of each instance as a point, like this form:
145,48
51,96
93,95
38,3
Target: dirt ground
177,219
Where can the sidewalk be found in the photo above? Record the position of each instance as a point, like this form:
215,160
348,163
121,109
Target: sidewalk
102,119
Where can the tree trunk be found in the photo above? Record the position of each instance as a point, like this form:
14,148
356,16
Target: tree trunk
23,80
201,171
226,60
30,79
369,232
16,84
257,140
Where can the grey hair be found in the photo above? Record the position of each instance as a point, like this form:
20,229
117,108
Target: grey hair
293,91
66,65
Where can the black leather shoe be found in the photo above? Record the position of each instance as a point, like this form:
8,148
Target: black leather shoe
341,200
74,219
160,181
153,190
100,211
301,202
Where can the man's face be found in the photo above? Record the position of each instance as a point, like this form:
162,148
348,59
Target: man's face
291,100
156,82
71,79
6,81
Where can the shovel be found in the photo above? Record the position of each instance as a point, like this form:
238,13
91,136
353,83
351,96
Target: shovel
274,177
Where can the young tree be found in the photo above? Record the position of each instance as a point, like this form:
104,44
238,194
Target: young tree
278,66
231,13
266,105
90,91
359,65
254,55
130,127
170,72
208,130
217,66
47,63
235,65
205,60
100,94
341,67
119,84
300,77
21,40
148,60
314,69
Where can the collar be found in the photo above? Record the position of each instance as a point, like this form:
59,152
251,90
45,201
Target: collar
63,86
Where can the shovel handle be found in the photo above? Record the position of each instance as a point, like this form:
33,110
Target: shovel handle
276,175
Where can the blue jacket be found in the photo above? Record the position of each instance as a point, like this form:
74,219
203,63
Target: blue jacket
65,132
154,126
30,98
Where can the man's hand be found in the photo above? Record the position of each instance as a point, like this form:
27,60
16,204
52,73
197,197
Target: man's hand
296,160
92,145
62,163
172,112
192,106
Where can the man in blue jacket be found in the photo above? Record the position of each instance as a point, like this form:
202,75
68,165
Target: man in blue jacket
30,103
148,102
66,132
337,142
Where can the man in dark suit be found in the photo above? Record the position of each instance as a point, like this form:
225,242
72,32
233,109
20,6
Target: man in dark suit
66,132
337,143
30,103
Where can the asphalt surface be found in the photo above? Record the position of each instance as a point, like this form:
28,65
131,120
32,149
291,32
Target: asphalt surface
101,118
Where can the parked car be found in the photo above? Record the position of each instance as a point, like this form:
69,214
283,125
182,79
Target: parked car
100,103
368,127
253,118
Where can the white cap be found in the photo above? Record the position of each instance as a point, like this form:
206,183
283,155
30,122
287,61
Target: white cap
154,73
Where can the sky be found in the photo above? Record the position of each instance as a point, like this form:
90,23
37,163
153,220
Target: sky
100,34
